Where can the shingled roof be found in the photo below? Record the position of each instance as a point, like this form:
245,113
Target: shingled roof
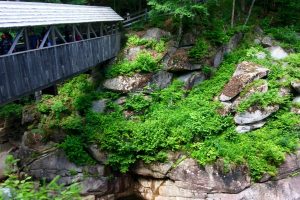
23,14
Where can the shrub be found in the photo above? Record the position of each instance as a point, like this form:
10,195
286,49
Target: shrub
200,50
72,123
144,63
11,110
137,102
27,189
74,149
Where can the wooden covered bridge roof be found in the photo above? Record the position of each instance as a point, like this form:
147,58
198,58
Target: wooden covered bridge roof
24,14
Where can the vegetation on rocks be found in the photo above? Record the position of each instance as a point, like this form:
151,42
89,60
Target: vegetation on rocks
151,122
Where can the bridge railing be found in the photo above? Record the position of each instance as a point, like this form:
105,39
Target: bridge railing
23,73
133,18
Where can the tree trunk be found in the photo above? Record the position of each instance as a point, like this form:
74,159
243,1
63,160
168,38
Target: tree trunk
249,13
232,14
180,31
243,6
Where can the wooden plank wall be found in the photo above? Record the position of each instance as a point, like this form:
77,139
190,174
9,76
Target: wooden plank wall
25,72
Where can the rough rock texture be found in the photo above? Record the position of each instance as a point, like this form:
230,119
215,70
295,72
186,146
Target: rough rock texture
261,88
286,189
126,84
156,34
261,55
156,170
98,155
277,53
190,181
255,114
267,41
233,42
179,62
192,79
245,73
32,140
29,114
161,79
188,39
230,46
99,106
296,86
226,109
94,179
131,53
296,109
249,127
3,156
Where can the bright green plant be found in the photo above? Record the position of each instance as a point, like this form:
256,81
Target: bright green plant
200,50
72,123
137,102
74,148
26,189
144,63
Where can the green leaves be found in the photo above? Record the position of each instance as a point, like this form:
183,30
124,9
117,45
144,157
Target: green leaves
178,8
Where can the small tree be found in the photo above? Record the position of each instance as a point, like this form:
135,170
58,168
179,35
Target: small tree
179,9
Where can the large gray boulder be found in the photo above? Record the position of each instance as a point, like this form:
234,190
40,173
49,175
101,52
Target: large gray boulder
188,39
3,156
192,79
287,189
99,106
245,73
267,41
189,175
156,34
249,127
233,42
296,107
161,79
156,170
277,53
296,86
127,84
254,114
225,49
97,154
179,62
132,53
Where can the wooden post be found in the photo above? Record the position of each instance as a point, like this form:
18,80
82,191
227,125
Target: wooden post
38,95
88,32
26,39
73,33
101,29
53,37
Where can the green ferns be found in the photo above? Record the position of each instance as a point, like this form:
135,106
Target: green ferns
143,63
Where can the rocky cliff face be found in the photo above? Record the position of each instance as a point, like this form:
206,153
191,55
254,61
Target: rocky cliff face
180,177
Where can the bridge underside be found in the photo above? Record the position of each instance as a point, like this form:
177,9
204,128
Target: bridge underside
26,72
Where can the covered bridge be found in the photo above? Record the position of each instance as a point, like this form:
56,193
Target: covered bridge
43,43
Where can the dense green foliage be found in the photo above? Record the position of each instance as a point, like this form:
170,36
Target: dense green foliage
147,60
11,110
27,189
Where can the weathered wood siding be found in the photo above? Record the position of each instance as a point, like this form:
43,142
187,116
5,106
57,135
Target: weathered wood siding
25,72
